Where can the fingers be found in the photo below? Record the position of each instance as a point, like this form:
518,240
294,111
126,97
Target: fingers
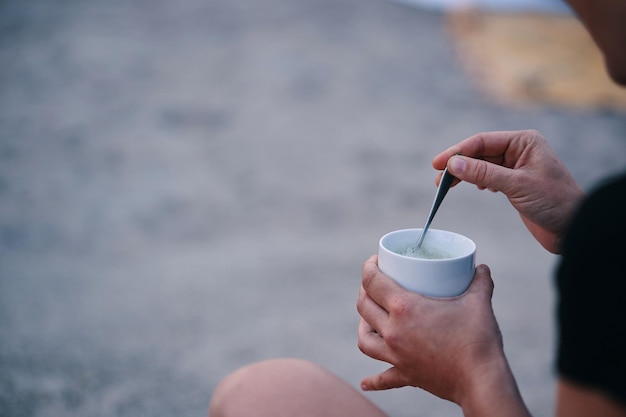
371,312
372,343
483,174
471,160
378,286
482,284
473,147
374,317
490,146
488,157
391,378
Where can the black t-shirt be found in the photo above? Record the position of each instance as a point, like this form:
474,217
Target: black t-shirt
591,284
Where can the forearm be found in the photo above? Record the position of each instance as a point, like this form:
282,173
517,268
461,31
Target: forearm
494,393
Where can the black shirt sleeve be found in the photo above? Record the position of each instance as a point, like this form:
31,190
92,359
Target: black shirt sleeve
591,283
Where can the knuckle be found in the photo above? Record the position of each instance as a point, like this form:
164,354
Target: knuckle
380,381
360,301
482,174
399,307
532,132
530,136
393,339
362,346
368,274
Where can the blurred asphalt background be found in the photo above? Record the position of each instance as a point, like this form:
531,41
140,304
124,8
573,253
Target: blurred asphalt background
190,186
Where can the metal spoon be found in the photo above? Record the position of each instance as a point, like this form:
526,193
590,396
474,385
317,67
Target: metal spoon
444,186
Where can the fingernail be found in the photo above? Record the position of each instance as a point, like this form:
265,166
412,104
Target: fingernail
457,165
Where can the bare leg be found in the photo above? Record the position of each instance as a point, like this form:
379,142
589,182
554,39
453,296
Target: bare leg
287,388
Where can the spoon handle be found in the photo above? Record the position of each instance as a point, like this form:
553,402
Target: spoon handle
444,186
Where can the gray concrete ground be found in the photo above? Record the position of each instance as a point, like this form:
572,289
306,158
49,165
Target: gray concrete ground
190,186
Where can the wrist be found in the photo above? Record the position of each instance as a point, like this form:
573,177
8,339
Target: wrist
493,392
567,216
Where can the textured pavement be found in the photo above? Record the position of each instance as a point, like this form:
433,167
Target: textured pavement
190,186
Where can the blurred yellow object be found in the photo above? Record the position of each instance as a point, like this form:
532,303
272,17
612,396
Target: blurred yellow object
533,58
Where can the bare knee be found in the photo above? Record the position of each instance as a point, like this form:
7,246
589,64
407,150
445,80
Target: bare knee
252,389
287,388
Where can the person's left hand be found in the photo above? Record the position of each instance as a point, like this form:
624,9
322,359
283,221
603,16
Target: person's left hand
444,345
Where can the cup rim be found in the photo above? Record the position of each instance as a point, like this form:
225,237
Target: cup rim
472,248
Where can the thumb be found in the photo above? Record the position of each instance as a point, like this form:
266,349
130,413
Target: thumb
391,378
482,284
481,173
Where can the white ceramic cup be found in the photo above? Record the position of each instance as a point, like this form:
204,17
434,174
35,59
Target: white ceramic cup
444,277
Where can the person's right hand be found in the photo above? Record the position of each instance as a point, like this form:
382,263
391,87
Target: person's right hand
521,165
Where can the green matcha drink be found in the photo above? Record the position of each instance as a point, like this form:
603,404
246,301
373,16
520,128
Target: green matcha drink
427,251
